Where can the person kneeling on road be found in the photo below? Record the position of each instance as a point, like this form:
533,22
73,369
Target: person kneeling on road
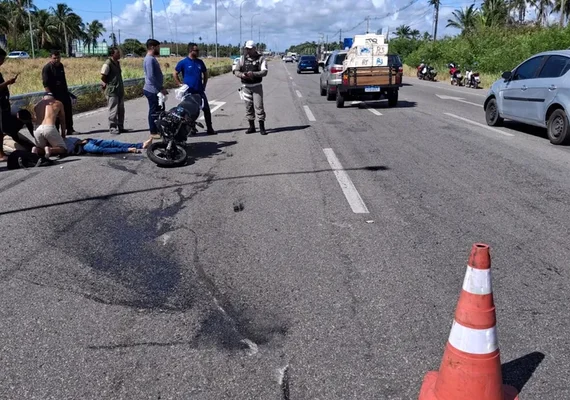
251,69
101,146
48,140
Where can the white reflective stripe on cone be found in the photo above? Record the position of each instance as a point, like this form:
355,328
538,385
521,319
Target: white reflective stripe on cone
477,281
473,341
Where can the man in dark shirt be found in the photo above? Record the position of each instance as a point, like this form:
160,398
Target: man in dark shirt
14,122
195,75
54,81
4,103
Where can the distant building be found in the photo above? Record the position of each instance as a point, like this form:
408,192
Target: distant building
80,49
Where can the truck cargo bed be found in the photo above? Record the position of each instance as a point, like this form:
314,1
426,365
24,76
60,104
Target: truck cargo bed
370,76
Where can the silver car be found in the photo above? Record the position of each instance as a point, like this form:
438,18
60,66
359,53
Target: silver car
331,76
536,92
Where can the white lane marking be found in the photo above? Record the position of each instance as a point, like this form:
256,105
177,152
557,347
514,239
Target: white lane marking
473,341
373,111
350,192
480,125
291,77
460,99
216,104
309,113
298,93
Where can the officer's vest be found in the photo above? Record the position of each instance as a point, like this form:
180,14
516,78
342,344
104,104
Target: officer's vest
251,65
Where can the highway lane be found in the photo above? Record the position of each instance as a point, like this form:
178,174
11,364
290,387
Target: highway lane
337,277
452,182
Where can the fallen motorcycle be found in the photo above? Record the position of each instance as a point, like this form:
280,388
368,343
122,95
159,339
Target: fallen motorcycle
174,127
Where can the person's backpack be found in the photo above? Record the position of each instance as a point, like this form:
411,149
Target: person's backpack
24,159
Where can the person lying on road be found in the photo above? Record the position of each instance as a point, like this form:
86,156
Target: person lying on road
48,140
13,123
101,146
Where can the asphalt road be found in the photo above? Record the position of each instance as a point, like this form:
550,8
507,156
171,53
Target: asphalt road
122,280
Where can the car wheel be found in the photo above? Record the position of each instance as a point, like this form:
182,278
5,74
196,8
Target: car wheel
330,96
557,127
393,98
492,113
339,99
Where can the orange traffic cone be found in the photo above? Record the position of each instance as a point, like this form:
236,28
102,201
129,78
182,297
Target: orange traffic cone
471,364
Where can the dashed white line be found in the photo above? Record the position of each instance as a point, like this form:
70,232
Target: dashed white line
291,77
350,192
309,113
373,111
480,125
298,93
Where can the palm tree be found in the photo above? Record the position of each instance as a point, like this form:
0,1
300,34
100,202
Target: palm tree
542,10
403,32
557,6
415,34
435,4
519,6
494,13
61,14
464,19
45,27
93,32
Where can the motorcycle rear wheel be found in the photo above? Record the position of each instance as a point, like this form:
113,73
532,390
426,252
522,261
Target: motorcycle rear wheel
165,158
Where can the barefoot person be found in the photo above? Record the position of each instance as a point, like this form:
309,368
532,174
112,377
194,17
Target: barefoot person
48,140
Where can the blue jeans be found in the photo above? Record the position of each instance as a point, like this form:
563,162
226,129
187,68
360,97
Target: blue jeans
206,109
102,146
152,109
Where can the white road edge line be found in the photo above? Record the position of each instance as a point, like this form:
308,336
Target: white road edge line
480,125
309,113
298,93
350,192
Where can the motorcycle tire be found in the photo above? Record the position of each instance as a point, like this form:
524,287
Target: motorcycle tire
181,155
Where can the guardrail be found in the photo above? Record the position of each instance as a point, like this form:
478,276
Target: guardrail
22,100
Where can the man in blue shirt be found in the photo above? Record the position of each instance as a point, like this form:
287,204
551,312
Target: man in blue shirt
195,75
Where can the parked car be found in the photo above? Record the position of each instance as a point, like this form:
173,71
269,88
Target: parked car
308,63
288,59
18,54
331,76
537,93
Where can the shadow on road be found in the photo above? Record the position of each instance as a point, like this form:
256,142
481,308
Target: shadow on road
372,168
288,129
384,104
518,372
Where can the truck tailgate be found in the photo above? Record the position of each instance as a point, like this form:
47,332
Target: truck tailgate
370,76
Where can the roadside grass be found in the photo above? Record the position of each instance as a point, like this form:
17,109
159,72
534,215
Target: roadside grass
84,71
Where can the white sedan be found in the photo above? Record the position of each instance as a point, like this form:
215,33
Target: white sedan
18,54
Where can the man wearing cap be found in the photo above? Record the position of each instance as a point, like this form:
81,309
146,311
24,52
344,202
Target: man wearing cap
251,69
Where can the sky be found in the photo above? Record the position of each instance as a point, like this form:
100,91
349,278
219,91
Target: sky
278,23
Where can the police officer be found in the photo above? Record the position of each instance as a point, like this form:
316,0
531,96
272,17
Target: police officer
251,69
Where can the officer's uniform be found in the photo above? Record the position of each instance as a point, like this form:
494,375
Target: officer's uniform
252,89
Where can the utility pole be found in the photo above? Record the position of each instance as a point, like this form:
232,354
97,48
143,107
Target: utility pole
367,24
340,38
435,19
112,24
216,6
31,34
240,43
151,22
176,35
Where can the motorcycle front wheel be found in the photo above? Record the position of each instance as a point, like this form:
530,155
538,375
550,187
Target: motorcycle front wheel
161,156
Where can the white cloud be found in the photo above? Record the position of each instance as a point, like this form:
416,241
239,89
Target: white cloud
281,23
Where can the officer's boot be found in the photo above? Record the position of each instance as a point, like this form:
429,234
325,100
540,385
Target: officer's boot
251,126
262,128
